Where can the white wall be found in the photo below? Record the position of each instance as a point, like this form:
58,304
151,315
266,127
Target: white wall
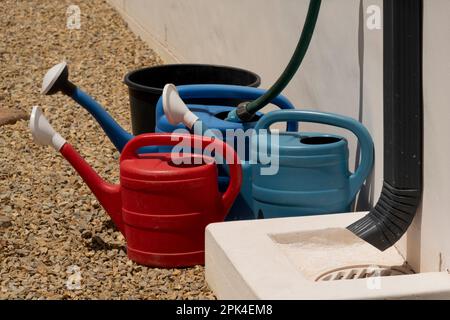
342,73
434,238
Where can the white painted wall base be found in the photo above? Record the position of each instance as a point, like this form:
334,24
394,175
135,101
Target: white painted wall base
140,29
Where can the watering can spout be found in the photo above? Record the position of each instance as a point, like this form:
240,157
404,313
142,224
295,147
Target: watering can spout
107,194
175,109
43,132
177,112
57,80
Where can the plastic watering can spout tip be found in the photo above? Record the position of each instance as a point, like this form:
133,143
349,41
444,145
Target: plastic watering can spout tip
54,77
43,133
175,109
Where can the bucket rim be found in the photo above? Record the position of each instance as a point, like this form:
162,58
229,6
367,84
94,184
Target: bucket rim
136,86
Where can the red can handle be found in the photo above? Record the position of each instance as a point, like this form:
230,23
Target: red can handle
172,139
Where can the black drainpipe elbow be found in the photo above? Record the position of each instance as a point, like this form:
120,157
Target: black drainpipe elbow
401,195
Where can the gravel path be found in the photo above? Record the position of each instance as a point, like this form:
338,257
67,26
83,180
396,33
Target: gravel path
50,223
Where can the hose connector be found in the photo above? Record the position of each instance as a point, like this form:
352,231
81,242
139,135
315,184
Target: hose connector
243,114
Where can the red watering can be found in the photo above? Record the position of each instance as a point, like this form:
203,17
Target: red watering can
163,203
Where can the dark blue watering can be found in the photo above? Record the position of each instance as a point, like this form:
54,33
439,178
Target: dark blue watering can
313,176
213,116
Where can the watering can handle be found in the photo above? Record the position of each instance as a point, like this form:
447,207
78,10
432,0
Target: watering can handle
365,140
218,91
172,139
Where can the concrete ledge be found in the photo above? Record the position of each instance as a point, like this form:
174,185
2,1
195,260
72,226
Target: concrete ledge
281,258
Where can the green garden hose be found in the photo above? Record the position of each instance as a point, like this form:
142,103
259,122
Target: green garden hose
245,112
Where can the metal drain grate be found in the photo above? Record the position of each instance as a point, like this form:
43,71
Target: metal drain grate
363,272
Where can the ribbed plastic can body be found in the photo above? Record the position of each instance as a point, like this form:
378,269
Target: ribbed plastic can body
166,207
312,176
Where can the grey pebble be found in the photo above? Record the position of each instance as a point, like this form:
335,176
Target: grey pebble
5,222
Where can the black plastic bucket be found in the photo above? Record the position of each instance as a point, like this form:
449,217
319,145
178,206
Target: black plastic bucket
145,87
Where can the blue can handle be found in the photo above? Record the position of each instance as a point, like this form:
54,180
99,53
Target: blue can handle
221,91
363,135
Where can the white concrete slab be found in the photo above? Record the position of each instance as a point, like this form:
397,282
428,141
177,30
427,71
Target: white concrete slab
283,258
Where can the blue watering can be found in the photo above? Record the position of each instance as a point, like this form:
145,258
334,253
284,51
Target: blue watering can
312,177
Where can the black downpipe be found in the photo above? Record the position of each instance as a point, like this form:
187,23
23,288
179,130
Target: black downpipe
403,127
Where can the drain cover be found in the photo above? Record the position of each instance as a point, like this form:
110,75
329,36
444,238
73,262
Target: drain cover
363,272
